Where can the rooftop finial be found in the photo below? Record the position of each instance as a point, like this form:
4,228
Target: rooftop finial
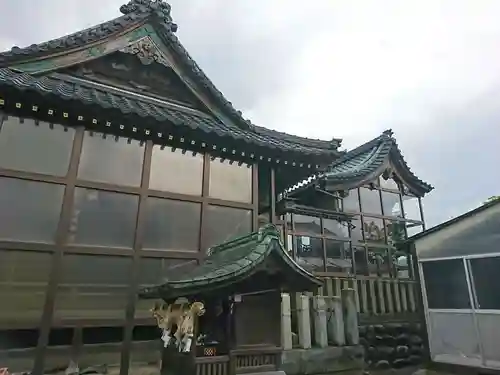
159,8
388,132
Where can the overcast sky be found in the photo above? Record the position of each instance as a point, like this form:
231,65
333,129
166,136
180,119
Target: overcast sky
428,69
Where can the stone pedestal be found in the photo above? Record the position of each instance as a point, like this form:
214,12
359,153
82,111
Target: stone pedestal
174,362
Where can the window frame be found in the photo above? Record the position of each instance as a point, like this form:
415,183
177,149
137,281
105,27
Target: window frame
71,181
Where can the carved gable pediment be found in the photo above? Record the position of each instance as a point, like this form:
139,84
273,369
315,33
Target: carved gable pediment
141,68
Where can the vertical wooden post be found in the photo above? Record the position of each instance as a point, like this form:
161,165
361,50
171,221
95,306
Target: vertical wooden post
364,296
404,296
272,197
397,295
381,299
388,290
255,197
350,317
134,273
57,257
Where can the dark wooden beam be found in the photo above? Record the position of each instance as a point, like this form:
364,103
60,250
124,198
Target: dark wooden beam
203,235
57,259
272,195
134,280
255,197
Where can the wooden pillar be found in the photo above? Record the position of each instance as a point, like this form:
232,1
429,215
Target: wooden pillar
57,257
272,196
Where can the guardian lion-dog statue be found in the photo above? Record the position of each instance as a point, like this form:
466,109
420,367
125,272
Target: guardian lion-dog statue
179,315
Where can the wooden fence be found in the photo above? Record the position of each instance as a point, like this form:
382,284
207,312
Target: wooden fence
382,298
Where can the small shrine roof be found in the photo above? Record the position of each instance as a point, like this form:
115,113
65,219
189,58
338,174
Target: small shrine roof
364,164
229,263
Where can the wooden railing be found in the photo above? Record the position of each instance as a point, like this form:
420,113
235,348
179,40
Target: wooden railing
376,296
212,365
255,360
239,361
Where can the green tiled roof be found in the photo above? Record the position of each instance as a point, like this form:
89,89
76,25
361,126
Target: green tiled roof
86,92
226,264
157,13
365,163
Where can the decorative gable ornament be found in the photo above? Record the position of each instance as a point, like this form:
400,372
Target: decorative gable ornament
146,50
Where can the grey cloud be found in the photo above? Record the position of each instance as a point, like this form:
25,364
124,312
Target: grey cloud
249,57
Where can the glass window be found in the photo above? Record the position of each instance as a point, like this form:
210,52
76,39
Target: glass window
338,257
484,270
388,183
172,225
43,148
380,263
402,264
109,159
413,228
446,285
103,218
356,229
175,171
307,224
395,231
411,208
392,204
29,211
230,182
335,228
351,202
93,286
370,201
226,223
360,261
309,253
18,268
373,229
95,269
153,271
288,220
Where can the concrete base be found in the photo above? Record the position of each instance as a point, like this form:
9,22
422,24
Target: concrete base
322,360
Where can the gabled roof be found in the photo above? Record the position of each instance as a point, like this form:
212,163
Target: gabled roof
364,164
137,13
228,264
491,225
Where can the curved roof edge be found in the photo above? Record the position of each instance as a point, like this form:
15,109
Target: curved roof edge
157,12
228,263
363,164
